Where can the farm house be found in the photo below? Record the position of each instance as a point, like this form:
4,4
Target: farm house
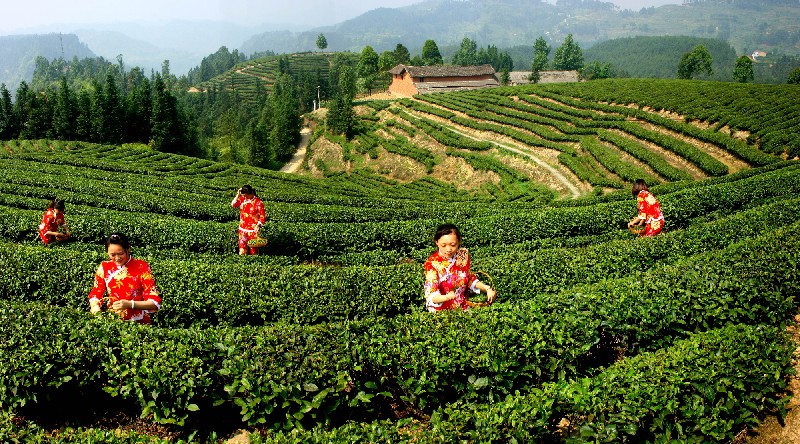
411,80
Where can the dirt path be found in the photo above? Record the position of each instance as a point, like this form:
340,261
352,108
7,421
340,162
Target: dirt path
297,159
550,169
560,177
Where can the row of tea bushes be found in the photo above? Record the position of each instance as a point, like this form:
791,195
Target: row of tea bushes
310,240
284,374
706,388
203,291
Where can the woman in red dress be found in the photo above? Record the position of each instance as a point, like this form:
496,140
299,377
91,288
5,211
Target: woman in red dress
131,289
251,217
52,221
650,214
447,273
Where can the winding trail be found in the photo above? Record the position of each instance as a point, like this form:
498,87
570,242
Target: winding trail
576,193
297,159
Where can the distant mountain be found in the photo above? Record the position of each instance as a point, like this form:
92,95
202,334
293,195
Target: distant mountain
18,54
772,26
498,22
183,43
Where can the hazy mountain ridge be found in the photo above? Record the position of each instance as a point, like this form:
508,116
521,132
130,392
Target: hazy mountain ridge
509,23
503,23
18,54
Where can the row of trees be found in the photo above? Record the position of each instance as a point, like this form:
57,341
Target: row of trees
98,101
568,57
146,112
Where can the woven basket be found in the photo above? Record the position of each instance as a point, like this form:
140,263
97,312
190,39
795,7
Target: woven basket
636,229
258,242
481,303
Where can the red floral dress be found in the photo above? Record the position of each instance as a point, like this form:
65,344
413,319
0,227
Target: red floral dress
444,275
132,281
51,222
251,214
650,211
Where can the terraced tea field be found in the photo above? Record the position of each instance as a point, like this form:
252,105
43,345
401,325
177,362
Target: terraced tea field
323,338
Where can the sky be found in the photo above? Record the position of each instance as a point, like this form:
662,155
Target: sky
25,16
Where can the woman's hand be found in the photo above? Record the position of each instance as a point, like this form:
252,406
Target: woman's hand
451,295
490,295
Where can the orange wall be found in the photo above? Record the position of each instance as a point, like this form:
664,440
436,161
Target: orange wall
402,85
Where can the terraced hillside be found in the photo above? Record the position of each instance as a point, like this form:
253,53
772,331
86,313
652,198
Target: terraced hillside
323,338
254,77
572,137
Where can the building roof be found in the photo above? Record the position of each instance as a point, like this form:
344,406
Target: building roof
444,70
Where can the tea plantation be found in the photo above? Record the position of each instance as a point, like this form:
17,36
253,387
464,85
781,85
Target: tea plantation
597,336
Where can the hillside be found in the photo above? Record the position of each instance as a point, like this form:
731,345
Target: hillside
596,336
571,138
18,54
254,77
658,57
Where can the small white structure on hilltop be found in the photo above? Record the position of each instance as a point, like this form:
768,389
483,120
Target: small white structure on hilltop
521,77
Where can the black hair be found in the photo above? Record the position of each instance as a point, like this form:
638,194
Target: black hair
56,204
639,186
247,189
444,230
118,239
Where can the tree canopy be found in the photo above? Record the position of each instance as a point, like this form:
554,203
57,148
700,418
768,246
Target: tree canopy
322,42
431,54
743,71
695,62
568,56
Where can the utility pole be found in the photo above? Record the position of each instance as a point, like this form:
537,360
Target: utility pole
319,103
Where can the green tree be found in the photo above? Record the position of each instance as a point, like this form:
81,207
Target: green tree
431,54
66,112
322,42
138,110
568,56
8,121
401,54
23,105
467,54
341,117
386,61
112,112
99,131
541,54
743,71
285,118
367,67
83,121
505,77
166,122
794,77
367,62
35,112
696,61
596,70
500,61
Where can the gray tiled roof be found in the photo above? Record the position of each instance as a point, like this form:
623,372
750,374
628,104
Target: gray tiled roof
444,70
